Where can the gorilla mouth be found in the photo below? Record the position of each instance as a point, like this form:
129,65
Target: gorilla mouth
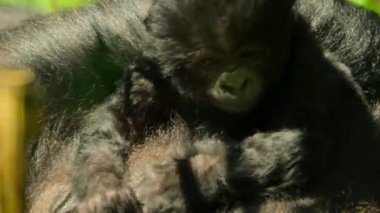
235,106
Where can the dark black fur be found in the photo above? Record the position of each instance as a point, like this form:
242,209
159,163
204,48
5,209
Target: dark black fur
74,54
349,32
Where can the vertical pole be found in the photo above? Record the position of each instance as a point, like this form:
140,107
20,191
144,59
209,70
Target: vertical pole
13,90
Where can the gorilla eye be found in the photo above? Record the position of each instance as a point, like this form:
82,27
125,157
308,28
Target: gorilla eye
247,54
183,66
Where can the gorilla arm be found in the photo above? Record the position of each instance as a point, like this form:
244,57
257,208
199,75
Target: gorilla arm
76,54
172,171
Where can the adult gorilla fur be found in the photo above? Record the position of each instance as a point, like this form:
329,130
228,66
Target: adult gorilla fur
11,17
351,34
302,93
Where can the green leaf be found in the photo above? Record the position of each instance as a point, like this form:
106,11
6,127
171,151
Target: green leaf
45,5
373,5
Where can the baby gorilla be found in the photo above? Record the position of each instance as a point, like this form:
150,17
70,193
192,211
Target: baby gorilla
184,72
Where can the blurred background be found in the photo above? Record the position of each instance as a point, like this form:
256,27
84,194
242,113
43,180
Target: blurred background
44,5
369,4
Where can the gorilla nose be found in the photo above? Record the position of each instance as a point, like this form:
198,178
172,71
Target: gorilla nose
234,88
236,83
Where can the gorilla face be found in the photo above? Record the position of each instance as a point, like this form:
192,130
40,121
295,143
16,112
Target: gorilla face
232,83
223,53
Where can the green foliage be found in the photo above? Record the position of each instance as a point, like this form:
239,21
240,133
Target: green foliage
45,5
373,5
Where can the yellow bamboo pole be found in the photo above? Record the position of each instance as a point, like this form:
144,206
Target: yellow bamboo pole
13,89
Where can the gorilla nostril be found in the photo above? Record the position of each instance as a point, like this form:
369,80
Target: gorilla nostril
234,88
244,85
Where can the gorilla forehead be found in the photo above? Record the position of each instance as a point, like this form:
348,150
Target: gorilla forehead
216,23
